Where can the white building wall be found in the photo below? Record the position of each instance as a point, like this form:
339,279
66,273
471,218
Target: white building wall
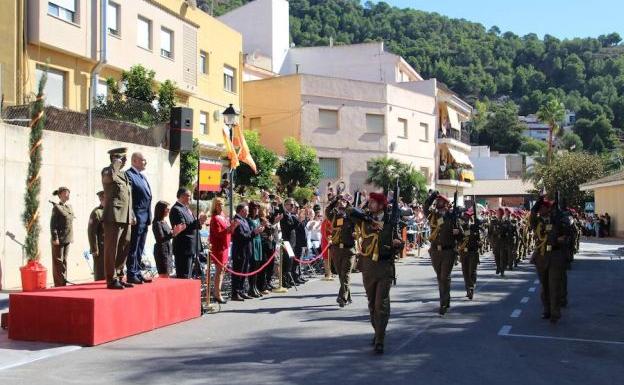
265,26
366,62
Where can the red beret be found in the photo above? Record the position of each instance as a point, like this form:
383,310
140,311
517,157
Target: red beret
548,203
501,210
443,198
379,198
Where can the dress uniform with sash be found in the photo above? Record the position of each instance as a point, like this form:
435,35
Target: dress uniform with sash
96,238
61,230
444,235
552,231
117,217
342,246
377,254
469,251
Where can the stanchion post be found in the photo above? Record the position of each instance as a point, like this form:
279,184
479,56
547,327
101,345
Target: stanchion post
281,289
209,307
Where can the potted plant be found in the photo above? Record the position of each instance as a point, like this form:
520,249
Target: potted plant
34,274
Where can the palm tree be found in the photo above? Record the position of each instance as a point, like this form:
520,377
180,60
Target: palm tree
551,112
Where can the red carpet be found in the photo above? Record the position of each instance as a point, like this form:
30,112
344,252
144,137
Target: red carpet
90,314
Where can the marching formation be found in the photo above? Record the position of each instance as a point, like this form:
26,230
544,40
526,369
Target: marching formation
547,236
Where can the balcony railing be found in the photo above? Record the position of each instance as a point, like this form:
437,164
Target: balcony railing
462,136
452,174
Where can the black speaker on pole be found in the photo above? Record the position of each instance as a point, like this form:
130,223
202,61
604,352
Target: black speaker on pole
181,129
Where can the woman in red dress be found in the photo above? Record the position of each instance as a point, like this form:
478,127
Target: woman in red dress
325,234
220,231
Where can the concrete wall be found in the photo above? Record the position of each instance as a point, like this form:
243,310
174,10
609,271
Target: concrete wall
489,168
609,200
265,25
366,62
76,162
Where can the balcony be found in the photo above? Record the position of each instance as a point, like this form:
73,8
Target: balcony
455,176
456,138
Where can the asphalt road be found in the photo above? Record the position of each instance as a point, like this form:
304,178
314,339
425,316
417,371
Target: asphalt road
302,337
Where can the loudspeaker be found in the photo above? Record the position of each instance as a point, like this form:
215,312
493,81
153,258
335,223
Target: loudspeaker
181,129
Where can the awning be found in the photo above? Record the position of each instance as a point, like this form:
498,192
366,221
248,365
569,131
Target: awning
459,157
453,118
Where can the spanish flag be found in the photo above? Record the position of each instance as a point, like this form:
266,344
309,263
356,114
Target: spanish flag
209,176
244,155
229,148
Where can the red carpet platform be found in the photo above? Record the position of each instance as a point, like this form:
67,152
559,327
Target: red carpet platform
90,314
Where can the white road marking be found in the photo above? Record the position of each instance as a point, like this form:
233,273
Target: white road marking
516,313
17,355
505,332
524,300
536,282
532,289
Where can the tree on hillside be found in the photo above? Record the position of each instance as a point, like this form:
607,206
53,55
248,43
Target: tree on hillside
571,142
502,131
300,167
552,113
533,147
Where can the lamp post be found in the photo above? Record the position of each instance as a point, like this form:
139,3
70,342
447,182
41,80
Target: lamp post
230,117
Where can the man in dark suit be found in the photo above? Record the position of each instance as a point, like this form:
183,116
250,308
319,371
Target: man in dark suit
242,250
185,243
142,207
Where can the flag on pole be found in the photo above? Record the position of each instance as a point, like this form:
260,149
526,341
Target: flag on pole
244,155
209,176
229,148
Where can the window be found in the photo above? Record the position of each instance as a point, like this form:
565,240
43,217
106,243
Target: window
144,33
166,43
330,167
425,132
328,118
63,9
113,22
229,79
203,123
55,87
254,123
375,124
101,92
425,172
203,62
403,128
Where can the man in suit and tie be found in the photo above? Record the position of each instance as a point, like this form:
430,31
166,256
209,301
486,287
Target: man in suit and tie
117,218
142,207
185,243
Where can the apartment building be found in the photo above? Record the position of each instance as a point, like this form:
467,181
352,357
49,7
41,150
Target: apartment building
83,42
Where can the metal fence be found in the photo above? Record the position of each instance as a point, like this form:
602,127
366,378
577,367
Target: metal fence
127,120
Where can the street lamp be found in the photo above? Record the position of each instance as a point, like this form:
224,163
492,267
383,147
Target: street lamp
230,117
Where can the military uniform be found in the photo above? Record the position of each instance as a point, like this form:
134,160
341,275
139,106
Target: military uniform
469,254
117,217
342,249
495,232
96,241
377,254
61,229
552,231
444,235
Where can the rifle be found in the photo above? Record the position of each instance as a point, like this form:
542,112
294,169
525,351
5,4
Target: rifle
395,222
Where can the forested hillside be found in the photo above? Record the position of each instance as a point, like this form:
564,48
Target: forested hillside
586,74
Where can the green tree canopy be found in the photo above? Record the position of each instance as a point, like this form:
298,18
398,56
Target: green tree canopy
383,171
502,131
566,173
300,167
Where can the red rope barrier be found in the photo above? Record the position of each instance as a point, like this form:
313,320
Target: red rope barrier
311,261
264,266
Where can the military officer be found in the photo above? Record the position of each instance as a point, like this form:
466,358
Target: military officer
117,218
469,250
342,245
552,231
495,231
96,238
445,233
379,245
62,232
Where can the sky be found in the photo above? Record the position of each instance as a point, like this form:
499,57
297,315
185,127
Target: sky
560,18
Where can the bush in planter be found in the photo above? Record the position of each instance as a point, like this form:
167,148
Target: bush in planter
452,174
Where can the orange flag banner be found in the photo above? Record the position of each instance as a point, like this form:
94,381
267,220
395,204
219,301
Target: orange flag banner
229,148
244,155
209,176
